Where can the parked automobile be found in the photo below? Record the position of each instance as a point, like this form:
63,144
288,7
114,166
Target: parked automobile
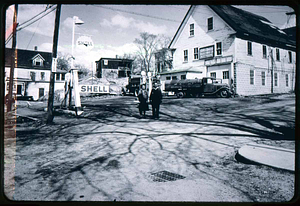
22,97
208,86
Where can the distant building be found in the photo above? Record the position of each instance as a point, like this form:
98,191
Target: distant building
32,74
113,68
245,50
163,60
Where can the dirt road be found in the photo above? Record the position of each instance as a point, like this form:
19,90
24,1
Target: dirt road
110,153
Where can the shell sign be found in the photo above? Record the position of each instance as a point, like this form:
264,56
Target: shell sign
84,43
94,89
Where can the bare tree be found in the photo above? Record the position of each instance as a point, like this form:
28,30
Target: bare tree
63,62
135,69
147,46
82,70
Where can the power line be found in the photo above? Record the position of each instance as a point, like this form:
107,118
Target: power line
8,38
139,14
33,34
47,8
19,29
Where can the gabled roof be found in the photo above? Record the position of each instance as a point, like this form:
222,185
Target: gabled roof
249,26
253,27
25,57
38,56
291,32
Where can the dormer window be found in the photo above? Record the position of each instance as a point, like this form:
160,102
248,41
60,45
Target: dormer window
38,60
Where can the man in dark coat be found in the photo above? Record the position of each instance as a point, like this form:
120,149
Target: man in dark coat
155,100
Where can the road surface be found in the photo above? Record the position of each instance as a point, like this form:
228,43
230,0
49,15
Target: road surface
110,153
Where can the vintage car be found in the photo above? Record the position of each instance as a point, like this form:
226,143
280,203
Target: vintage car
207,86
22,97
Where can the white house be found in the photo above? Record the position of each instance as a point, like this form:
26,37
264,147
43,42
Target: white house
32,73
241,48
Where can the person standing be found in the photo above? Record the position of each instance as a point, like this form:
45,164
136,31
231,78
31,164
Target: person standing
143,97
155,100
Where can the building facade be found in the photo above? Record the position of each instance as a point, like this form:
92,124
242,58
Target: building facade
243,49
113,68
32,73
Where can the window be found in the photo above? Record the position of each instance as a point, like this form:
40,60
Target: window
287,80
206,52
213,74
196,54
251,76
219,48
290,57
57,76
174,77
63,77
225,74
37,62
185,55
264,50
42,75
249,47
183,76
168,78
32,75
210,25
192,29
263,78
275,79
277,54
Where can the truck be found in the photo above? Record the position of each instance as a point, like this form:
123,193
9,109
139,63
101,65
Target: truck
207,86
133,85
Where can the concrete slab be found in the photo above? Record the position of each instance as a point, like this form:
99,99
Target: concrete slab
268,155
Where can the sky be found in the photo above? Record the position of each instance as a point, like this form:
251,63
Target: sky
112,28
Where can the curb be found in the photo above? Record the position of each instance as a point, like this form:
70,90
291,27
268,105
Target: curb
275,157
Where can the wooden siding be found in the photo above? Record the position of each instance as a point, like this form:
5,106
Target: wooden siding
221,33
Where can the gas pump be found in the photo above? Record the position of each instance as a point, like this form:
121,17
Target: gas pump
72,83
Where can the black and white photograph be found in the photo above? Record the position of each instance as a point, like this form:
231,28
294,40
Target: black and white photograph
149,103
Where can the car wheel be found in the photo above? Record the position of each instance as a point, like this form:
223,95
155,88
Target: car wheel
223,93
179,94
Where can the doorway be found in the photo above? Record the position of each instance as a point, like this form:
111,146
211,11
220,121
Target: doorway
41,92
19,89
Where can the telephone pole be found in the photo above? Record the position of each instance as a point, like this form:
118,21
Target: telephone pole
272,72
50,115
13,61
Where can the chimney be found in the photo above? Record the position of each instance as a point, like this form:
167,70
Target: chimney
35,48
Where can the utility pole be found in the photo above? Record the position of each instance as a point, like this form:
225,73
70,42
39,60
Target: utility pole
272,71
13,60
50,115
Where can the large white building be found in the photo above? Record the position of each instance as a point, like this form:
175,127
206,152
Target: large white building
32,73
241,48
